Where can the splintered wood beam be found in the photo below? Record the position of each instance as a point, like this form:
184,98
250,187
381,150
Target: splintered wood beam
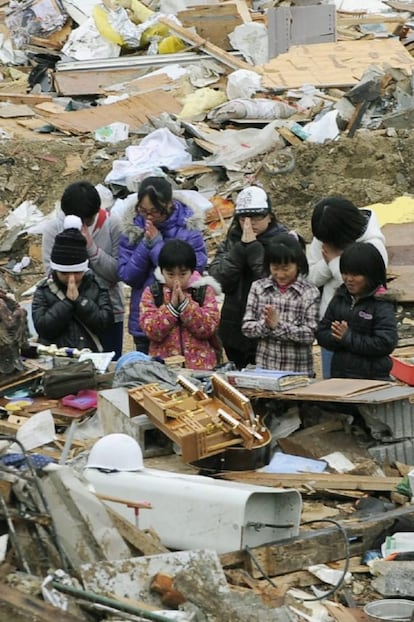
315,481
209,48
316,546
140,540
24,98
33,609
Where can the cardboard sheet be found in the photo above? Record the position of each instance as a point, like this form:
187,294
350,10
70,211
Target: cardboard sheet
337,388
334,64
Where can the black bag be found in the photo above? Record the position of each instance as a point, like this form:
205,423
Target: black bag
70,378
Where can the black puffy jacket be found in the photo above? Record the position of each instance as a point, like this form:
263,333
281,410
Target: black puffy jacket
61,321
235,266
364,350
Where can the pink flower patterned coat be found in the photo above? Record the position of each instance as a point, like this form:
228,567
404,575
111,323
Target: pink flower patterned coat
187,335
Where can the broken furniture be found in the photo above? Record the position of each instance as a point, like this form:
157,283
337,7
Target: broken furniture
194,511
204,426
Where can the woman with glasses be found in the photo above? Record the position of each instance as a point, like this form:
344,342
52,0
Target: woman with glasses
157,217
239,261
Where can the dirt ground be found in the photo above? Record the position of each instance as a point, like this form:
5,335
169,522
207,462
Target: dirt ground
367,168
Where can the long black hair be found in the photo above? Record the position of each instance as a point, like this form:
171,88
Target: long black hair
364,259
337,221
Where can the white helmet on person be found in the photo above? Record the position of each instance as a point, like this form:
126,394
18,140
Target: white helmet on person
252,200
116,452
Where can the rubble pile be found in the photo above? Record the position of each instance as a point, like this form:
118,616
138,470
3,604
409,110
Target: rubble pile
307,100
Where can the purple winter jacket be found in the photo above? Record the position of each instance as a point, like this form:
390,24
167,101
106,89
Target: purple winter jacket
137,259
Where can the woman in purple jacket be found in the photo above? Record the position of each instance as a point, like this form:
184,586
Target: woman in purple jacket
157,217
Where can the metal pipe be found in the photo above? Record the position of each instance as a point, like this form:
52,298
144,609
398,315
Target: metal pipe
109,602
129,62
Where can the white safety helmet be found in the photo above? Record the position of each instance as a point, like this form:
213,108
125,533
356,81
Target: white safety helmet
252,200
116,452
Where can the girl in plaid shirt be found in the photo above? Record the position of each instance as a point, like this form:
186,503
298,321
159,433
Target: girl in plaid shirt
283,309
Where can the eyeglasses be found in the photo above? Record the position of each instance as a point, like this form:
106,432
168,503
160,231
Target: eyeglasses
149,212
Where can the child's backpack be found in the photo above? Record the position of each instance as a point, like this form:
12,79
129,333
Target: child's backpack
198,294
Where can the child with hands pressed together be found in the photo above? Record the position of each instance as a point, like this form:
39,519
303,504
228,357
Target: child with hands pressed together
282,310
359,325
70,308
178,324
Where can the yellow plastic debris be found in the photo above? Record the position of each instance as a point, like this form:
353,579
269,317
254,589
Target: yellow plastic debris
200,102
140,11
399,211
171,45
105,29
156,30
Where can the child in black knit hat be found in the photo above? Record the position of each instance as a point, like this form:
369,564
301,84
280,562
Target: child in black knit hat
70,309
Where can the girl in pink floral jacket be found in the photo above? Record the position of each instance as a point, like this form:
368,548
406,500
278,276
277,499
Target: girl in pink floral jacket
177,324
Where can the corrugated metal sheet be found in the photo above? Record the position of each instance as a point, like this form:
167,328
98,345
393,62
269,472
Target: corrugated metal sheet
390,421
401,452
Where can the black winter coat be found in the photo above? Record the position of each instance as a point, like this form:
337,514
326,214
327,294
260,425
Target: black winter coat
364,350
235,266
60,321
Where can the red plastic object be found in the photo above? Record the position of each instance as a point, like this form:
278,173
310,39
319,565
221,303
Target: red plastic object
83,400
403,371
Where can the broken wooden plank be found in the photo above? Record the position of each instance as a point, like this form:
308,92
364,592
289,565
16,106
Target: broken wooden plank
207,47
316,547
91,81
139,539
31,608
134,111
21,98
318,481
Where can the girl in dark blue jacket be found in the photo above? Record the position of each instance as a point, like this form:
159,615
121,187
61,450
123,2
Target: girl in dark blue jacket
359,325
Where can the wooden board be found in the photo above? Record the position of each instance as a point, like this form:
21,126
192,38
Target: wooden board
338,388
29,608
207,47
212,22
334,64
402,283
96,82
317,547
135,111
399,237
316,481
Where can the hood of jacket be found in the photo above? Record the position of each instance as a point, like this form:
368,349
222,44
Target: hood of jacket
196,280
191,217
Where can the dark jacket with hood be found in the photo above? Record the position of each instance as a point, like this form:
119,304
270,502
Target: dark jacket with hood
364,351
138,258
64,322
235,266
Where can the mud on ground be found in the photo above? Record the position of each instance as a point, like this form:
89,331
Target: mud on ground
368,168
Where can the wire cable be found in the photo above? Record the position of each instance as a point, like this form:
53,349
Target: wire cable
344,572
